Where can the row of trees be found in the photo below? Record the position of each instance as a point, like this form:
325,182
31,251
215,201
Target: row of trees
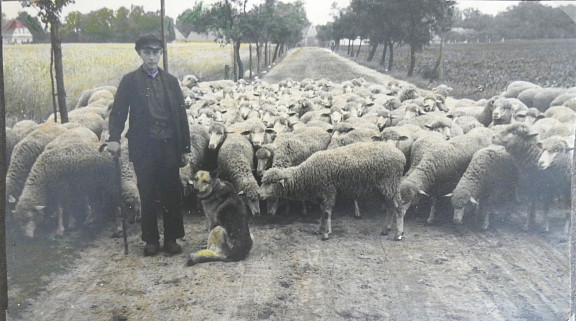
231,20
527,20
103,25
390,23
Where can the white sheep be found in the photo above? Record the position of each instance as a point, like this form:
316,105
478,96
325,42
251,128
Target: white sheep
489,180
25,154
235,159
357,170
440,169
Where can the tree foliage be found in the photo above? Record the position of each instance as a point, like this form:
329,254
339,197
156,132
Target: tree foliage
107,25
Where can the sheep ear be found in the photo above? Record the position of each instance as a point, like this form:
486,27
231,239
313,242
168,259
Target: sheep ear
539,144
241,193
270,131
282,182
190,183
376,138
402,138
245,133
11,199
429,126
422,192
330,130
39,207
447,195
473,200
532,134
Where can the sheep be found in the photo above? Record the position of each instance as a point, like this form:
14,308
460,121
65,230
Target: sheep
505,110
101,95
189,81
357,170
254,130
521,141
403,138
23,128
563,114
489,180
467,123
11,141
90,120
25,154
545,96
290,150
235,159
87,94
527,96
570,103
561,99
440,169
516,87
62,176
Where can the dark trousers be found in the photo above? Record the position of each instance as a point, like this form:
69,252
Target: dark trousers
158,178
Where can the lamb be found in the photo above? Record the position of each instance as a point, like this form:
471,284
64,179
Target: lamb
25,154
489,180
235,160
523,144
357,170
441,168
254,130
60,177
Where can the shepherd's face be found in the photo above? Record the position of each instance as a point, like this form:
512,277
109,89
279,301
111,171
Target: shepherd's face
150,56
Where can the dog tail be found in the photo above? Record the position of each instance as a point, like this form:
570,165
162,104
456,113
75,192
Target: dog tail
205,256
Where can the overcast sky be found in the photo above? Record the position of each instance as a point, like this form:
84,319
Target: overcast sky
317,11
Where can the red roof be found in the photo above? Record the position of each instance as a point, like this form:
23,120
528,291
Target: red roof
14,24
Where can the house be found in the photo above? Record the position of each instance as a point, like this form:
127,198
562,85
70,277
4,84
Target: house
178,35
16,33
309,38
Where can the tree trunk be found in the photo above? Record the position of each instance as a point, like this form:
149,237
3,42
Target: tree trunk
239,63
391,56
58,68
412,61
250,47
372,52
258,55
384,50
275,53
351,53
266,62
349,44
359,46
281,53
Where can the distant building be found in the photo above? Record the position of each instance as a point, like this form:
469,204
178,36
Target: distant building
178,35
14,32
309,38
200,37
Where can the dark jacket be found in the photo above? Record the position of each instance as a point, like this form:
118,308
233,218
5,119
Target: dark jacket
131,96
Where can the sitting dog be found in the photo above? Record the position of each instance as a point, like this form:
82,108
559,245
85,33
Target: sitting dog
229,239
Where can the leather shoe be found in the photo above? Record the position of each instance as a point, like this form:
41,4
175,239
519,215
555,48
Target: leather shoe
171,247
151,249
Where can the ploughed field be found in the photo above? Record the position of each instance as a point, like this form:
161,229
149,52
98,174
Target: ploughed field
438,272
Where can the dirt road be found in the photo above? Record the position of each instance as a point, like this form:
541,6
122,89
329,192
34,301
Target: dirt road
438,272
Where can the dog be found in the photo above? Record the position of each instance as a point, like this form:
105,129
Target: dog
229,239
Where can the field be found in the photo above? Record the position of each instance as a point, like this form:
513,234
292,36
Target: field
482,70
27,71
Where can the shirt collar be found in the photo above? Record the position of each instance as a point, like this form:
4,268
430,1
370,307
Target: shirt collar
152,75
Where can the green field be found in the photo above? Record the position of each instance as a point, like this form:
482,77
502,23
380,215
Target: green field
482,70
27,71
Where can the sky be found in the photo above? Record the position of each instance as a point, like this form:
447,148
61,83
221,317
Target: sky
317,11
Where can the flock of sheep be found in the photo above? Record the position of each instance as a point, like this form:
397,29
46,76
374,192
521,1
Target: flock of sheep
317,141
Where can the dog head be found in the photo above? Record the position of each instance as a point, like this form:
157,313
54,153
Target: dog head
204,183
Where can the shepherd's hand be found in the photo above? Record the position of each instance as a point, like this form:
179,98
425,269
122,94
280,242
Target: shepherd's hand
113,148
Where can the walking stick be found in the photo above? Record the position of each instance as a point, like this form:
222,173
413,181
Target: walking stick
119,211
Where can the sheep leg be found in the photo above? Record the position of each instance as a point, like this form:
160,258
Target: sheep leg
304,208
400,212
60,228
356,210
531,214
387,221
326,220
432,211
546,212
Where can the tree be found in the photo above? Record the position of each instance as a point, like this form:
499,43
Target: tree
422,17
33,24
49,13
